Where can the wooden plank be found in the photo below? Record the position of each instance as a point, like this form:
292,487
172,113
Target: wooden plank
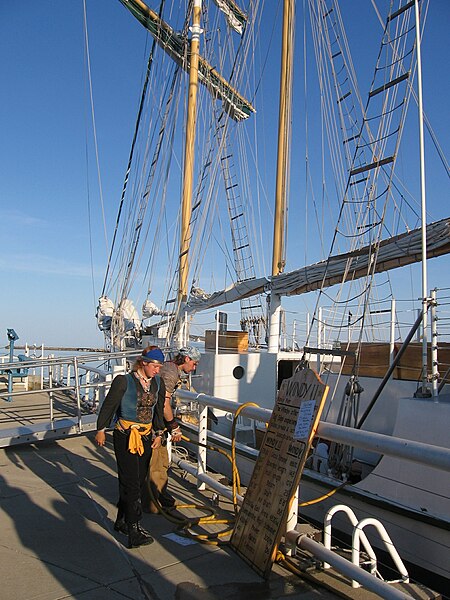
374,360
262,519
228,340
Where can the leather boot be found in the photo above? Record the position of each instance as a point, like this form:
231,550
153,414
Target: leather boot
120,525
138,536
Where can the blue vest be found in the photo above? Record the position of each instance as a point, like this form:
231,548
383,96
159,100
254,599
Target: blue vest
129,399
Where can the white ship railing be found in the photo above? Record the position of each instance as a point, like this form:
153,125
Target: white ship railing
419,452
359,537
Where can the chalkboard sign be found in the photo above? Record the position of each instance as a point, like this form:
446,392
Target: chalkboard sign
261,521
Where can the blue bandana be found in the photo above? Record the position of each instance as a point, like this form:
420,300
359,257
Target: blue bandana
153,356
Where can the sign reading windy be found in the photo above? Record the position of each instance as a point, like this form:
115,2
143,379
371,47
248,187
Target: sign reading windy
276,476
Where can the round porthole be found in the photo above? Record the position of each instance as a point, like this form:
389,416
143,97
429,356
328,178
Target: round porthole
238,372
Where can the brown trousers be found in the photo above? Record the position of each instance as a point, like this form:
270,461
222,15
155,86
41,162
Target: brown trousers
157,478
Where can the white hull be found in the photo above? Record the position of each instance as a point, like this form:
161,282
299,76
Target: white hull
419,543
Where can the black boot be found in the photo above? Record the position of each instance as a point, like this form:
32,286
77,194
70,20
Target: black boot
120,525
138,536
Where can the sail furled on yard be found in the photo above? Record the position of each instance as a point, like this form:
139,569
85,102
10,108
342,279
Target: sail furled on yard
177,48
399,251
236,18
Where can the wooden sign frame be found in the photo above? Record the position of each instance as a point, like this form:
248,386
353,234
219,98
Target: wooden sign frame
261,521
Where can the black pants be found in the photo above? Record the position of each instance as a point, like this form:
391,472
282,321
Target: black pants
132,471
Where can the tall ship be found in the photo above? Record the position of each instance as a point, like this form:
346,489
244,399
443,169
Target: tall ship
273,213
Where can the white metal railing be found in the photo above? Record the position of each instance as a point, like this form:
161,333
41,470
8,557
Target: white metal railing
354,521
85,379
346,567
426,454
359,537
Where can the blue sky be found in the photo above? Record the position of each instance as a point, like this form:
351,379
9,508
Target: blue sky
53,260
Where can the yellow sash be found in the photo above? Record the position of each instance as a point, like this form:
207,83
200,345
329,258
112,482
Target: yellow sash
137,430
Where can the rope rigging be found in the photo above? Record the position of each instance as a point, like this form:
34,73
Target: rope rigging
124,258
359,225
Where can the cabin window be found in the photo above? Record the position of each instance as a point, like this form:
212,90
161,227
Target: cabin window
238,372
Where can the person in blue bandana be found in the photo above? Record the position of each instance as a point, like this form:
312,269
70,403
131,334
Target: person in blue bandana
135,402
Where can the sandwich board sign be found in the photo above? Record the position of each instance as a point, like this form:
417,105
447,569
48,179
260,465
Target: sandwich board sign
261,521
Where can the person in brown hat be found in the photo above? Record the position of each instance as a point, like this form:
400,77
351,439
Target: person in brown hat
183,363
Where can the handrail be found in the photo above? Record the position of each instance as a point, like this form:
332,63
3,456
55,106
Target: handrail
346,567
358,534
427,454
80,378
391,369
354,521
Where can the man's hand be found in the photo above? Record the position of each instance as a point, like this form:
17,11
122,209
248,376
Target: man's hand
157,442
176,434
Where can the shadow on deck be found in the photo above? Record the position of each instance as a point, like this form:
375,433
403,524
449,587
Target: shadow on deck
58,508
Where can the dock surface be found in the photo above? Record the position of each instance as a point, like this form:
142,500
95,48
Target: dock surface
57,537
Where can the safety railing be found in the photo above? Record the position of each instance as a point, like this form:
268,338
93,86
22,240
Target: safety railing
359,537
61,389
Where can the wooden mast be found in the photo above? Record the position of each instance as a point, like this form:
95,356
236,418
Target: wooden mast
186,208
287,56
284,129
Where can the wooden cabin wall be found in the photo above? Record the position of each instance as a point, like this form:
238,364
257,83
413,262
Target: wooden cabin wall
374,360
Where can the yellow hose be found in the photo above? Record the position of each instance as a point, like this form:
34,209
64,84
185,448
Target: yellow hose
186,524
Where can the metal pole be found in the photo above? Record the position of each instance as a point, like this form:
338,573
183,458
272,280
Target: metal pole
389,372
202,439
50,393
293,334
392,333
77,390
344,566
292,519
206,479
217,331
10,375
434,348
42,368
319,336
427,454
423,204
